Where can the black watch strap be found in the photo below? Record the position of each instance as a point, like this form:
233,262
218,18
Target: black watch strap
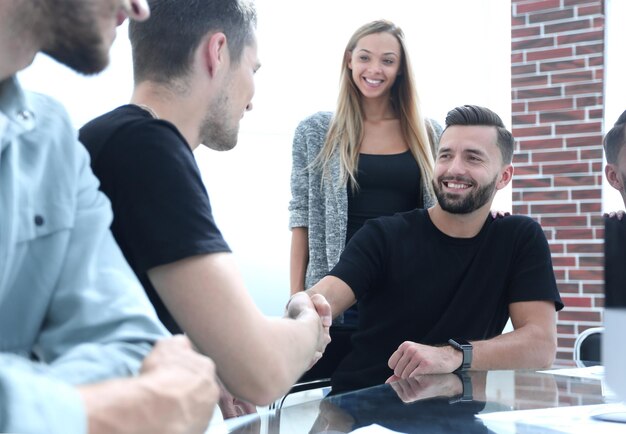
467,394
466,348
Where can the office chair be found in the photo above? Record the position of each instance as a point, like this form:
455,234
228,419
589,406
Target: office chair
588,346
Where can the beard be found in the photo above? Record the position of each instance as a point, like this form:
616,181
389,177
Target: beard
75,38
217,131
454,204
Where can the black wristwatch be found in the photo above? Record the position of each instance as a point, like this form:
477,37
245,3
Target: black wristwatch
466,348
467,395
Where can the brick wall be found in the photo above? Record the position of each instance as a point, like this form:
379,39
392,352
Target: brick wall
557,66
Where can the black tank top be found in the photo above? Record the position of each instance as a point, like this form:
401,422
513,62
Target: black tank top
387,184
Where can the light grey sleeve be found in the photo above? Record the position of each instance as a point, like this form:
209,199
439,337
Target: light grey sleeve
299,204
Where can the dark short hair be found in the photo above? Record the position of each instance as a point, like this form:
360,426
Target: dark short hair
164,45
475,115
614,139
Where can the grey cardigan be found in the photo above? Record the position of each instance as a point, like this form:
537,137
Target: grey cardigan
323,208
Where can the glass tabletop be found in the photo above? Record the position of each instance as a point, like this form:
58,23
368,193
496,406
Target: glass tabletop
446,403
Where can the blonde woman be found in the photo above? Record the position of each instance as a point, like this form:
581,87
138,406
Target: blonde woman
372,157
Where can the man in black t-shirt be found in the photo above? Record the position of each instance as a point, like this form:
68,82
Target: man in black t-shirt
194,65
435,287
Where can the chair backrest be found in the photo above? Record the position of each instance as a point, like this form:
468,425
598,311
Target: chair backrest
588,345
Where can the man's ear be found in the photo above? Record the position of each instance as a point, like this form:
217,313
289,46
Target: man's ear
215,53
505,177
613,177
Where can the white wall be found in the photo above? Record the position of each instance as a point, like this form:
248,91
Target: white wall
460,50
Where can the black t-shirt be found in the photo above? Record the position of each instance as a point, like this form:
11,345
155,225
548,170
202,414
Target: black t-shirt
161,208
415,283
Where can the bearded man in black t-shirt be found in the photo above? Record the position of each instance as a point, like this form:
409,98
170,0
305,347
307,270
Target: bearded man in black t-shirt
436,287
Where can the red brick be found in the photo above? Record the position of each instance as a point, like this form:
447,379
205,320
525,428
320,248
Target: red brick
569,208
599,232
591,261
520,209
551,195
566,168
518,20
593,288
598,22
594,275
562,116
551,16
549,234
564,343
525,68
588,101
521,32
597,220
570,288
542,92
589,140
516,196
551,104
537,6
574,181
517,57
531,131
562,355
559,274
598,302
574,38
568,26
596,61
577,89
582,50
521,170
574,234
578,2
570,77
562,221
587,194
531,182
585,127
562,65
598,74
524,119
565,329
553,53
560,156
586,316
525,44
518,107
596,167
529,81
585,248
596,113
521,157
591,207
590,10
564,261
541,144
591,154
556,249
576,301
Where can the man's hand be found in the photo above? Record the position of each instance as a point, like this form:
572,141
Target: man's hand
615,214
233,407
301,303
412,359
181,386
175,392
426,386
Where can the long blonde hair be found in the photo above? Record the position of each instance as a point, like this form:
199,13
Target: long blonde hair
346,128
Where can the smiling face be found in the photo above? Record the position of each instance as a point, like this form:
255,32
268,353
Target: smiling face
82,31
375,62
469,169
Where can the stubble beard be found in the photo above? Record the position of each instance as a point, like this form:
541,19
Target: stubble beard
216,132
449,203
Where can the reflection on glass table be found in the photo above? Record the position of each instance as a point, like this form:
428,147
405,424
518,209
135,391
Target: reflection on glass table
447,403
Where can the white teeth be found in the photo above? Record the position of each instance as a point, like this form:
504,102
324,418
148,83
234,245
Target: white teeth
370,81
453,185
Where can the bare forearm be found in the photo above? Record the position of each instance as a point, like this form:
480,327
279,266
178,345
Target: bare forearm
299,259
529,347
